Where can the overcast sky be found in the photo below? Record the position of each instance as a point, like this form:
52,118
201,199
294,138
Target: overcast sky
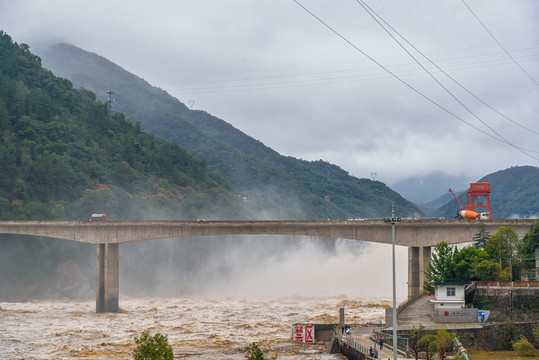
337,88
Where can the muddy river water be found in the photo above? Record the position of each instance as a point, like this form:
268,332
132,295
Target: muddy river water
196,327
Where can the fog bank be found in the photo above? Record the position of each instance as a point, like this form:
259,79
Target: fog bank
261,267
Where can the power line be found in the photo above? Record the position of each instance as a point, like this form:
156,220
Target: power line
501,46
401,80
370,11
297,80
456,66
449,76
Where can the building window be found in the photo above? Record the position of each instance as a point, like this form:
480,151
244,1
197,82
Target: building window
450,291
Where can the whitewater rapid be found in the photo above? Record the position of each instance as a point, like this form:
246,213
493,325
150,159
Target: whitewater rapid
196,327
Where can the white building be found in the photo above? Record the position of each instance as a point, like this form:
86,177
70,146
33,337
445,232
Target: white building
448,295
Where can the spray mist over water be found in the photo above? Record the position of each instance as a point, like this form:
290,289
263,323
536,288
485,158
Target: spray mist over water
353,270
257,267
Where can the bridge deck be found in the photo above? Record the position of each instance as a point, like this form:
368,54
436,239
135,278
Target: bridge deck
408,233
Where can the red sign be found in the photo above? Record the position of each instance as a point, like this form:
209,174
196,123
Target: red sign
298,333
309,333
303,333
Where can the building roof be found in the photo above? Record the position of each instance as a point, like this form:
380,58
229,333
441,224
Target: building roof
447,284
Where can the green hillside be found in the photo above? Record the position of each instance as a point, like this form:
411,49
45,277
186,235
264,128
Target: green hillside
282,187
515,192
62,157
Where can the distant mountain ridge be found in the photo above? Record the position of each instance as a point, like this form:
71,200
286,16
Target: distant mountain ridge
425,189
284,187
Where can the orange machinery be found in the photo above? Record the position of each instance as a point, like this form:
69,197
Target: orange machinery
477,202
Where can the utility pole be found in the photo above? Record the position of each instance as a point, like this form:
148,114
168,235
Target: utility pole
109,101
393,220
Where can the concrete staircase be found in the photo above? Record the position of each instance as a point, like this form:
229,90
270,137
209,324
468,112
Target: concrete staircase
418,311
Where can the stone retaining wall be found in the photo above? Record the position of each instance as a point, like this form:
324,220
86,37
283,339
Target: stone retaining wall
515,303
495,337
490,337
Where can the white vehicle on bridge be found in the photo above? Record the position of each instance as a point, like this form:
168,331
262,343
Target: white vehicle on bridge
98,217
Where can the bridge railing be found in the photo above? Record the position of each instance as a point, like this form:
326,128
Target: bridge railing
402,341
440,326
516,284
351,343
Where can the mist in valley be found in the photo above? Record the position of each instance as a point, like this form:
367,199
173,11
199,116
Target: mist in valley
260,266
253,267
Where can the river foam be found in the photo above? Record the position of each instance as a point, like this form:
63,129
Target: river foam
196,327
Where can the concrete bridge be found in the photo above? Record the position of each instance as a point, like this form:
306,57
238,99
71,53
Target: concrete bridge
418,235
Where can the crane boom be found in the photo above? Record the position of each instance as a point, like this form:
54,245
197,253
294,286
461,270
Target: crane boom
458,202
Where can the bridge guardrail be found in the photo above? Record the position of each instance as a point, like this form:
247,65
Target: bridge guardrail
351,343
517,284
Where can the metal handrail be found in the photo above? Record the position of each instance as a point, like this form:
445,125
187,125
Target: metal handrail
351,343
402,346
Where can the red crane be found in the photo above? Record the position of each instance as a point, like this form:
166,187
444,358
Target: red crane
476,199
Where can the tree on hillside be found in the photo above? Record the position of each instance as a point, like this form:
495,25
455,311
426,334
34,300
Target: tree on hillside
480,239
428,343
440,268
503,257
528,245
488,270
415,338
503,246
465,262
444,340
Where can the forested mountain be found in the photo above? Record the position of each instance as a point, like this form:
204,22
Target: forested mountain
62,157
282,187
514,194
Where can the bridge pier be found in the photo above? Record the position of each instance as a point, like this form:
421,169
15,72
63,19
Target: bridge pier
107,278
418,260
